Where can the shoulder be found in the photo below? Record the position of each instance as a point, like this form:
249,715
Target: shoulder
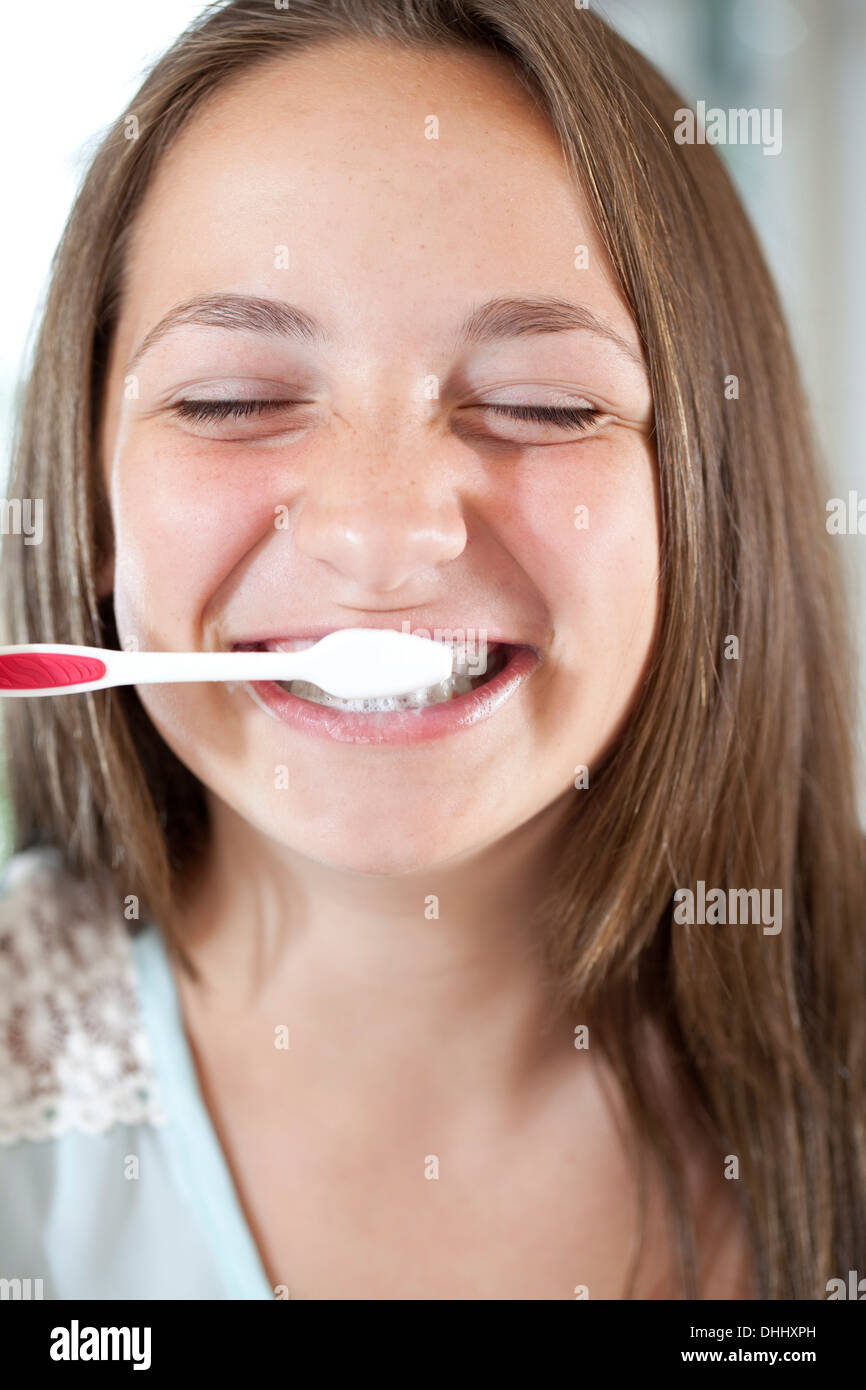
73,1055
33,880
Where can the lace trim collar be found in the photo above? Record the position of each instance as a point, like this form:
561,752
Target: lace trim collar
73,1052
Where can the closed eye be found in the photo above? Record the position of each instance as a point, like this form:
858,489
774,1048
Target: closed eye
199,411
563,417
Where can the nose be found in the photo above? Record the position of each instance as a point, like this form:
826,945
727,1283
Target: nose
381,518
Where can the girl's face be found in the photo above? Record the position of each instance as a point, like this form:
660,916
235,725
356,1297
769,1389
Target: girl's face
360,237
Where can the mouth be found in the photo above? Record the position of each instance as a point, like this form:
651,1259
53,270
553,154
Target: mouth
484,676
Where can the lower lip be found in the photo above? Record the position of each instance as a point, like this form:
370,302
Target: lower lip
404,726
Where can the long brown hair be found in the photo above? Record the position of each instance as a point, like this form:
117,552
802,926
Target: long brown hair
734,772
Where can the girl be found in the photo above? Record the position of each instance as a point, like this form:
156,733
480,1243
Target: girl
417,315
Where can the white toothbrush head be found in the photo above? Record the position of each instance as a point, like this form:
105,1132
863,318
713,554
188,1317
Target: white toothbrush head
358,663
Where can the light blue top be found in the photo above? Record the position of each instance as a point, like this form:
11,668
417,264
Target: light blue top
76,1210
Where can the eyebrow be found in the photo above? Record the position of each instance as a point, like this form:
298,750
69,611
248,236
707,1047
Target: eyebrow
492,321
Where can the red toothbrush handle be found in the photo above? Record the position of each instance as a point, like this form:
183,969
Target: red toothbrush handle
40,670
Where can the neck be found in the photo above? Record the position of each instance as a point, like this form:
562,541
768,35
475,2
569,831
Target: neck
439,963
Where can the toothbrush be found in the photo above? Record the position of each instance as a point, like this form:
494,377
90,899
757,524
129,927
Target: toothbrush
351,663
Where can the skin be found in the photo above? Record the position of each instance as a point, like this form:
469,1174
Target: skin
410,1036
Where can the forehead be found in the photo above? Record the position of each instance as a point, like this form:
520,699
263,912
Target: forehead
392,187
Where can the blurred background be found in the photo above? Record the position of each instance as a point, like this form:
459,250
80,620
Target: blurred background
69,70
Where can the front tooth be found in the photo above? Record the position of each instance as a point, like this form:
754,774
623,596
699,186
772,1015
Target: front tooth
436,694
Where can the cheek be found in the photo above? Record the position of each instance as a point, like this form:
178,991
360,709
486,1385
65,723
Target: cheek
182,526
185,527
590,537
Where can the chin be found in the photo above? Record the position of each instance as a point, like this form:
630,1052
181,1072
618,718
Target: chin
385,846
397,853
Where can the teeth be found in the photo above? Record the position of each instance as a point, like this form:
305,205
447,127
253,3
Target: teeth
384,704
